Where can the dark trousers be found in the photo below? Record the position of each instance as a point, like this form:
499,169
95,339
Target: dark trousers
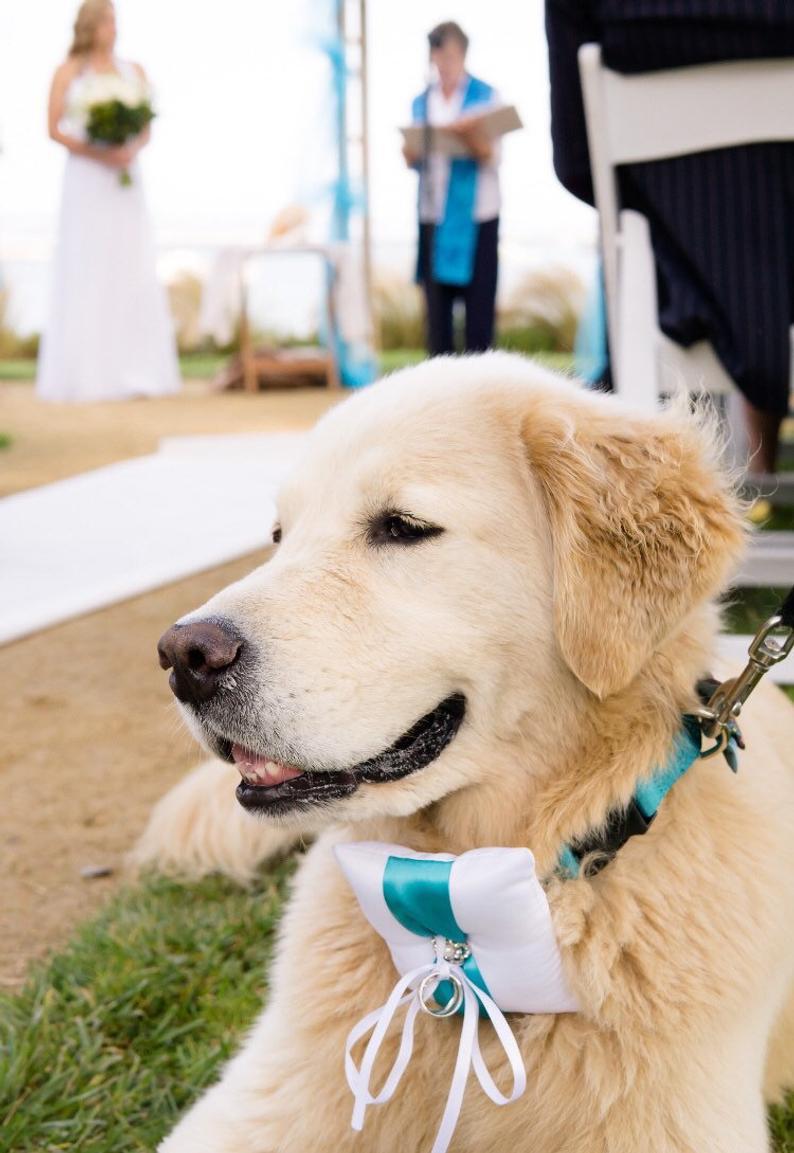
478,296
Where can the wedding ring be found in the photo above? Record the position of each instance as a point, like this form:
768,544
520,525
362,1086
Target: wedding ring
452,1005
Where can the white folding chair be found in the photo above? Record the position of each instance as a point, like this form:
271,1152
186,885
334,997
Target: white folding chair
654,116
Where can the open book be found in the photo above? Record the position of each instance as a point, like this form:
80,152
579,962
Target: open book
495,122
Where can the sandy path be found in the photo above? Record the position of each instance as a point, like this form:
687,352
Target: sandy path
91,741
52,441
90,737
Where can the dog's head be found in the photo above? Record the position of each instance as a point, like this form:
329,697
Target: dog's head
462,546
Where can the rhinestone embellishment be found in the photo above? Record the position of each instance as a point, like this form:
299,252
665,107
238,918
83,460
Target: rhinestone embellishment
455,952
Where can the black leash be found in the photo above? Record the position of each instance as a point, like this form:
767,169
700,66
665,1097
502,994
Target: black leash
786,611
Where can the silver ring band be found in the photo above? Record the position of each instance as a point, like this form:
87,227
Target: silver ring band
452,1005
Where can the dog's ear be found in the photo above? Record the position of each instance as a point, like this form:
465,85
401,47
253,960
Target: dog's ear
644,526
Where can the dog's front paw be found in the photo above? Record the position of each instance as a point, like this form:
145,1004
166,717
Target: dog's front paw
199,828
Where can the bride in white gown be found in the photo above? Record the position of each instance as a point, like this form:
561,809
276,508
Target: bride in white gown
109,333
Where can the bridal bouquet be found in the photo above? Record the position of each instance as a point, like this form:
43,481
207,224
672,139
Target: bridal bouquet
112,110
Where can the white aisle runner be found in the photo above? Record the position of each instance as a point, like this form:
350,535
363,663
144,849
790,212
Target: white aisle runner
101,537
83,543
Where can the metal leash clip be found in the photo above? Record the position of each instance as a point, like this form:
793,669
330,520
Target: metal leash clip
718,717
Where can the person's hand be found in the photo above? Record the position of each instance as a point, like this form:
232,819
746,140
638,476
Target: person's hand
120,157
464,123
470,131
412,157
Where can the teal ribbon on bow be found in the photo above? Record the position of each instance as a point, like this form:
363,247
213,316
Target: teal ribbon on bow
417,895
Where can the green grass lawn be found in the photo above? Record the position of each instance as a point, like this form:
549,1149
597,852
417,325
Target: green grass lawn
195,366
781,1118
392,359
201,366
17,369
109,1041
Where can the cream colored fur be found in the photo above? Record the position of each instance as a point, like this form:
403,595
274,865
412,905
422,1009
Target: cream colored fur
569,599
199,828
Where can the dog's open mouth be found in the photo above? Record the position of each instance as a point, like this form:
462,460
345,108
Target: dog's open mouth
276,788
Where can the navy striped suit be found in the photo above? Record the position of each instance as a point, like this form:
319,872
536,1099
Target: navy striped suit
722,222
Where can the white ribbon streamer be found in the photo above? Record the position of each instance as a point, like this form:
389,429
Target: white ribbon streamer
469,1055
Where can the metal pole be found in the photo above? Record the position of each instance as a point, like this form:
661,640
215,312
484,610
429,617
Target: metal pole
342,205
366,223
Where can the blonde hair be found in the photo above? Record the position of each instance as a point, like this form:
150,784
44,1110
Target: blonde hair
88,16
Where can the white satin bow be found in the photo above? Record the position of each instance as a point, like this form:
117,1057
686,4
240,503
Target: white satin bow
496,912
469,1055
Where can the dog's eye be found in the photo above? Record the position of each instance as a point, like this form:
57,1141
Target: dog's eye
277,534
399,528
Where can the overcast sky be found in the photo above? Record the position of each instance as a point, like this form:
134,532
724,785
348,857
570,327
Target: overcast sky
241,94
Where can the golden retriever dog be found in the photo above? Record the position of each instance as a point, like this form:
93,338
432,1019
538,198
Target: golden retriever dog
491,598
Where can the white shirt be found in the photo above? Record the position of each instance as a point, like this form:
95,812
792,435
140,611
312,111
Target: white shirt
433,187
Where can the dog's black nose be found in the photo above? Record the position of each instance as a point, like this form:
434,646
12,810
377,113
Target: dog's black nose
198,653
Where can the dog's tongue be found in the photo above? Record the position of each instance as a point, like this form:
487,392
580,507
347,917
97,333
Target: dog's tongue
260,771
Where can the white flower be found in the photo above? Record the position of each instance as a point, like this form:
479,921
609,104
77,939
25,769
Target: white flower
100,88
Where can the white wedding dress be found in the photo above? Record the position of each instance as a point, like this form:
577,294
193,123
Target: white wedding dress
109,333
